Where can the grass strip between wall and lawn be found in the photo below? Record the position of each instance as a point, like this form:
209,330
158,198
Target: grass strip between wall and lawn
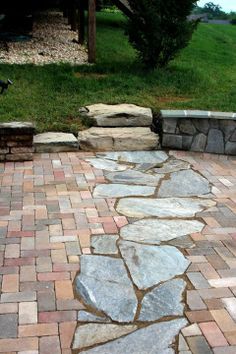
202,77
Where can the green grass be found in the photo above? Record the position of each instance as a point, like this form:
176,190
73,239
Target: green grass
202,77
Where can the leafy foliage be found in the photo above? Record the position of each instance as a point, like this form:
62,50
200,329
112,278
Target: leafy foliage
159,29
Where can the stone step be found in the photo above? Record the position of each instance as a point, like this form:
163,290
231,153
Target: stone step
120,115
55,142
118,139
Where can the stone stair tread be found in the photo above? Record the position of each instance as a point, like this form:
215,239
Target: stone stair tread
120,115
55,142
118,139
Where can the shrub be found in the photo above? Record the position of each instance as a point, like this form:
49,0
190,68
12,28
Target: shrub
233,21
159,29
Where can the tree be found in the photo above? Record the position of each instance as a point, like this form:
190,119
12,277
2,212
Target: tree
213,10
159,29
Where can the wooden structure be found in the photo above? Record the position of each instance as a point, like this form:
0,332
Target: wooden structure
74,10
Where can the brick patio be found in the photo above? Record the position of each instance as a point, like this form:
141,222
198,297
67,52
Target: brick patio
47,215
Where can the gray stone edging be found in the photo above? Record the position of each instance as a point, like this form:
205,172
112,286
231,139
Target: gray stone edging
200,131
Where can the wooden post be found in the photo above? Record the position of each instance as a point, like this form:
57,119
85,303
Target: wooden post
81,22
91,31
64,9
73,16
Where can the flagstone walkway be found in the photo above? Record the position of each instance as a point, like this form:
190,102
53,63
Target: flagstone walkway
118,253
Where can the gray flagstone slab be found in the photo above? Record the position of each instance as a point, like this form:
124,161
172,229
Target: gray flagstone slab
173,165
164,300
121,190
150,265
134,177
154,339
106,165
163,207
104,284
96,333
183,184
104,244
155,231
85,316
136,156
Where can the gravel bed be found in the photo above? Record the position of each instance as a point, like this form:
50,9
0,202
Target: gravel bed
52,42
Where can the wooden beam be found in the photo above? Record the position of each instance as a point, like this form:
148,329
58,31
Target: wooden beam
81,22
91,31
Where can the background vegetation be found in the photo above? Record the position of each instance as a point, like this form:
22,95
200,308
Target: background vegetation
202,77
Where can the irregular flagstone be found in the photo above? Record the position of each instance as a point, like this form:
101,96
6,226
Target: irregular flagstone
173,165
155,231
183,184
136,156
144,167
145,340
104,284
120,115
182,242
134,177
121,190
163,208
85,316
165,300
150,265
94,333
105,244
106,165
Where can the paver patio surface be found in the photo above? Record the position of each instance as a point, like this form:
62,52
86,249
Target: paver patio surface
183,285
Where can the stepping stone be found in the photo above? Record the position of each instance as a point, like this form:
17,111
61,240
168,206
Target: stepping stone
134,177
107,165
145,167
121,190
165,300
183,184
182,242
120,115
105,244
140,157
85,316
150,265
144,341
163,208
118,139
156,231
94,333
55,142
103,283
173,166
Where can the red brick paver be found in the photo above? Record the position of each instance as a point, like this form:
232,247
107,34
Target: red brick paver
47,216
212,272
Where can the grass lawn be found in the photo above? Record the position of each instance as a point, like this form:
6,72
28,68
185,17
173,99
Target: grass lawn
202,77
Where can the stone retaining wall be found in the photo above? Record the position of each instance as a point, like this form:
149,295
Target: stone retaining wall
199,131
16,141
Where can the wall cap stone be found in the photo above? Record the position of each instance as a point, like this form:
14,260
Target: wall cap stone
20,128
197,114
